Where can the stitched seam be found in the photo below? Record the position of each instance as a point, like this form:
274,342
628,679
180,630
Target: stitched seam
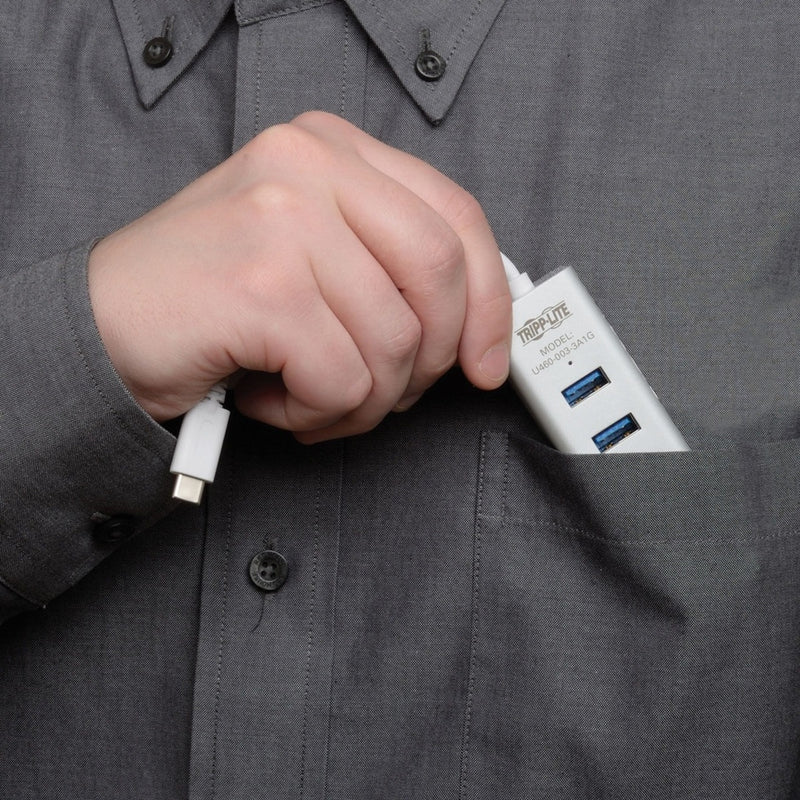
461,33
644,542
388,27
335,584
80,570
259,75
223,625
195,25
285,12
34,561
23,595
343,93
202,12
476,568
362,112
310,635
138,17
506,472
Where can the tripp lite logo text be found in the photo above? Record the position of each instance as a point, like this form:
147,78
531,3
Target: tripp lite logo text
538,326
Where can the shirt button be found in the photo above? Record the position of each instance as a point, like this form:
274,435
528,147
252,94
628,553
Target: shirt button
115,529
430,66
268,570
157,51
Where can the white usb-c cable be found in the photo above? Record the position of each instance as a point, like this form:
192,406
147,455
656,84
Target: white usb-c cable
199,445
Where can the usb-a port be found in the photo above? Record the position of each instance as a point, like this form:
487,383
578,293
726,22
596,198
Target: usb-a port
587,385
615,433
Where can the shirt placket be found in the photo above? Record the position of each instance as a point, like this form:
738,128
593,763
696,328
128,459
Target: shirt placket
265,653
291,61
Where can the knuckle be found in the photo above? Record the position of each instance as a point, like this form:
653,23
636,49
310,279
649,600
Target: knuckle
356,392
329,127
261,287
341,398
283,139
307,419
463,210
271,201
494,305
444,257
288,145
403,341
313,119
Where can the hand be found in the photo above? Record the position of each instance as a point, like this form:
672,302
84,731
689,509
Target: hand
338,276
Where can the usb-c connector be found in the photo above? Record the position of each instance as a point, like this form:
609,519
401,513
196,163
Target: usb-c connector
199,446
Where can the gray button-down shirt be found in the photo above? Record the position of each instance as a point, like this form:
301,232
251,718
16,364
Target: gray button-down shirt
462,612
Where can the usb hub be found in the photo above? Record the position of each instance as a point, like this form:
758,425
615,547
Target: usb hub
575,376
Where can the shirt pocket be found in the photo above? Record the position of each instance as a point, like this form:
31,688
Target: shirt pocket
636,624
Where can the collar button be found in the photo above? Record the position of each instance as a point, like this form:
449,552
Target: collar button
430,66
157,52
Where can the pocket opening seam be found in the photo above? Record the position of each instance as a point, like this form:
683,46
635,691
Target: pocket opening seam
505,520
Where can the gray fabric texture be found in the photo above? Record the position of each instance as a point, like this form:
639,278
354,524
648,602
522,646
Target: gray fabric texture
468,613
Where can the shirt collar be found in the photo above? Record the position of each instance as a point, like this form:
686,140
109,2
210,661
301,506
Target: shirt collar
454,29
193,24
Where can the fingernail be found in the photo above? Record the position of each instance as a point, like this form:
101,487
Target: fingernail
404,403
494,364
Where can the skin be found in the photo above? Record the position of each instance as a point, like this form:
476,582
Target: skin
334,277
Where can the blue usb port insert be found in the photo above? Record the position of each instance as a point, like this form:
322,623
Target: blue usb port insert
587,385
615,433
